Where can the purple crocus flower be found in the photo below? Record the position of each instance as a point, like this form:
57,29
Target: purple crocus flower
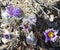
51,35
7,36
12,11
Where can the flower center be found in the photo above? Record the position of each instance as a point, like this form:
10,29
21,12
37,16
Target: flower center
26,26
50,34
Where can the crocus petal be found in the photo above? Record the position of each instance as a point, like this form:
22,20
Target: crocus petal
45,33
54,39
32,18
17,12
56,32
10,10
47,39
30,38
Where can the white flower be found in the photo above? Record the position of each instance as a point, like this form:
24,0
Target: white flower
30,38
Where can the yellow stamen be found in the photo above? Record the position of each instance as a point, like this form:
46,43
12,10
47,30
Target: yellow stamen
50,34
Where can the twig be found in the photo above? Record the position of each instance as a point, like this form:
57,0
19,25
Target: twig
57,10
32,8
